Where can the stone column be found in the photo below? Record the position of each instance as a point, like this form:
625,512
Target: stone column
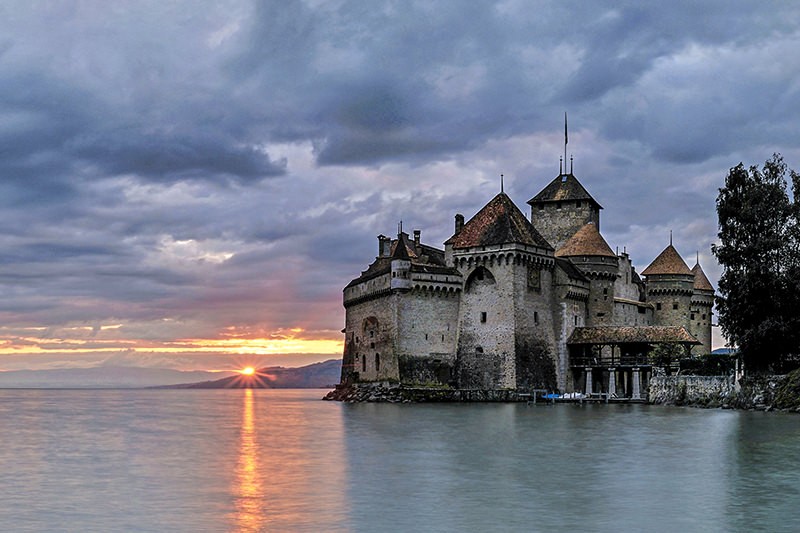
636,384
612,380
588,380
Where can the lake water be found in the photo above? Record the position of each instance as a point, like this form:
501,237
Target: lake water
267,460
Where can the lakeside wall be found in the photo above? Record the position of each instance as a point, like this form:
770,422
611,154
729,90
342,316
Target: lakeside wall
759,392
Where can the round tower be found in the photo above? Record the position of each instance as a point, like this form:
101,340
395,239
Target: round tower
670,287
592,255
401,265
701,311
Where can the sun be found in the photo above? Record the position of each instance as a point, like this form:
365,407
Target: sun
248,371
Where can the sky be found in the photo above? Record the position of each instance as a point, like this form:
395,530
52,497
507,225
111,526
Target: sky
190,184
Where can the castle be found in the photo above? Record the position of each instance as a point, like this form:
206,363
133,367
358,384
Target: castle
518,303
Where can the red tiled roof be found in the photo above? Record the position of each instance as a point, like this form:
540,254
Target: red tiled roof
586,241
631,334
668,262
700,279
499,222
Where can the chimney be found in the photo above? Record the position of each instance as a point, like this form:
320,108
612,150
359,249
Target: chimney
417,234
384,246
459,223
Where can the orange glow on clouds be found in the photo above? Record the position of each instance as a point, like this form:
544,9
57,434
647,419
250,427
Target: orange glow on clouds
294,341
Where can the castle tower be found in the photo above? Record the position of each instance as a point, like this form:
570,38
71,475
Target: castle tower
505,316
590,253
562,208
401,265
670,287
701,311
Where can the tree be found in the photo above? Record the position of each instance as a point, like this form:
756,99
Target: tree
759,251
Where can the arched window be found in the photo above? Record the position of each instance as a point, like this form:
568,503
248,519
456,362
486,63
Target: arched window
377,362
479,276
478,349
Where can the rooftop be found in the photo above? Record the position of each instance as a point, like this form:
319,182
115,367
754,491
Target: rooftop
562,188
700,279
586,241
668,262
631,335
498,222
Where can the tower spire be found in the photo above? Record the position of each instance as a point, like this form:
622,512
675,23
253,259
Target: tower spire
566,138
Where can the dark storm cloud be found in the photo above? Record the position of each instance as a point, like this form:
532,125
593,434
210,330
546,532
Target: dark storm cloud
170,157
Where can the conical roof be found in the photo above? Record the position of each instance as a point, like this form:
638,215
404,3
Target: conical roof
700,279
400,251
586,241
563,188
668,262
498,222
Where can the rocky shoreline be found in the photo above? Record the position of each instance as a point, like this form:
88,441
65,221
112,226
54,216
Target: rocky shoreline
384,392
762,393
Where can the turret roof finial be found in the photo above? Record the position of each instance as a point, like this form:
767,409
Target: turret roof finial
566,138
670,237
501,184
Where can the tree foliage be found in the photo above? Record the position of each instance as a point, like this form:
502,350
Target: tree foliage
759,251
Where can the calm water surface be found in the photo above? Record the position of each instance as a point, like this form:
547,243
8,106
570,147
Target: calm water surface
241,460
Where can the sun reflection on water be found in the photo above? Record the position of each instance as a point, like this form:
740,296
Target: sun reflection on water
249,487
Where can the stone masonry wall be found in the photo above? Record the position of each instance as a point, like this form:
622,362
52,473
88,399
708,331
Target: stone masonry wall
427,332
370,328
757,392
558,221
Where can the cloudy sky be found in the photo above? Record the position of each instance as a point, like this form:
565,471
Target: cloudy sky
191,184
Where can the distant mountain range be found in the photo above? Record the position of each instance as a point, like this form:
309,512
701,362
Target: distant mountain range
101,377
315,376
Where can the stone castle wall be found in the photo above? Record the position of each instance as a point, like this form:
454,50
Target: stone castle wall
371,333
427,335
558,221
671,297
700,321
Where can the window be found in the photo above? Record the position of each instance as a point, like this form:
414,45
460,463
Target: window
483,316
535,317
704,316
371,334
364,364
658,306
691,316
541,206
558,205
601,314
442,338
426,336
605,291
674,305
478,349
576,320
578,203
372,345
377,362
